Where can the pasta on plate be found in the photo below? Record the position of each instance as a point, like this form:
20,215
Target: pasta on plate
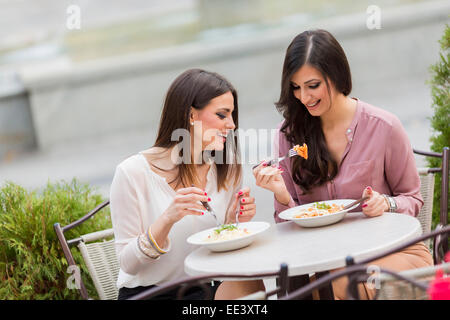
318,209
227,232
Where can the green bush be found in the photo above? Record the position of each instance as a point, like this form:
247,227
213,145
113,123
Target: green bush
440,122
32,264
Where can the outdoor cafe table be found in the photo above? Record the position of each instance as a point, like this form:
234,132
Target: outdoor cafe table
308,250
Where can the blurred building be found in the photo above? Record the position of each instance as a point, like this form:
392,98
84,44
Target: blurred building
75,102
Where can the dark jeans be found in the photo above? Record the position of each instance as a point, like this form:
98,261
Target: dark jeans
194,293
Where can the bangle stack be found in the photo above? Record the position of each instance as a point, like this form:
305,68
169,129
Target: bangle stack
392,205
149,247
153,242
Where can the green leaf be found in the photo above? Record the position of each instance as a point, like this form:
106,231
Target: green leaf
32,264
440,121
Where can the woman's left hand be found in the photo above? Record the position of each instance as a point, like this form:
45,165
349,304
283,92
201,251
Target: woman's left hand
375,205
245,204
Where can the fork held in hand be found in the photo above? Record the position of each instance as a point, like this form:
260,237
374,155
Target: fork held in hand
355,203
289,154
209,209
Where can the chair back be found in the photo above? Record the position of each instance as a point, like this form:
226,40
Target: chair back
102,262
392,288
443,212
416,280
182,285
427,192
408,284
99,255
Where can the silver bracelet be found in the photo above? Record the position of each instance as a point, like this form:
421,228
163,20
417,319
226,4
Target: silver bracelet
391,203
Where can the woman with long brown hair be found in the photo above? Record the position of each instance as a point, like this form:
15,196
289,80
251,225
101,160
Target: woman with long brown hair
354,149
156,195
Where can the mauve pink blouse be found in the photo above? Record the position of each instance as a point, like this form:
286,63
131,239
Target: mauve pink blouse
378,154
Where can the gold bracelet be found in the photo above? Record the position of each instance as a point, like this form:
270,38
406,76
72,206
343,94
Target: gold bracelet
153,242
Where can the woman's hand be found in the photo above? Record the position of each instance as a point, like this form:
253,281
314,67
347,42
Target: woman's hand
245,204
270,178
375,205
185,200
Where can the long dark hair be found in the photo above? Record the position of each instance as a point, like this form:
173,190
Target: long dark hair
196,88
319,49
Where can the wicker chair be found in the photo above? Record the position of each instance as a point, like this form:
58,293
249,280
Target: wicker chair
184,284
392,287
99,257
427,191
103,265
413,283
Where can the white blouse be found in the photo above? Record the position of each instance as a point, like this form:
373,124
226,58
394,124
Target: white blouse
138,197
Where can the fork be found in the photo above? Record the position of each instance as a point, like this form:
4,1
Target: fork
290,153
355,203
237,218
209,209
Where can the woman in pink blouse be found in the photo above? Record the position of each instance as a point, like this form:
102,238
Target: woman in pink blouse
354,148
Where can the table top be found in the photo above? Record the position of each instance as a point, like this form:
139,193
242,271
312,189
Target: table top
308,250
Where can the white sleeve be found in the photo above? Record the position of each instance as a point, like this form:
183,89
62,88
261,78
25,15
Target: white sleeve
126,219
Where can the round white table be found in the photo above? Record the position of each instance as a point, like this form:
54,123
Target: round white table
309,250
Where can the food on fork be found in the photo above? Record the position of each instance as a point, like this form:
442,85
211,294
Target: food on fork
227,232
302,151
319,209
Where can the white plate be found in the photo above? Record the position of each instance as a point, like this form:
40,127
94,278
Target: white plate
318,221
254,227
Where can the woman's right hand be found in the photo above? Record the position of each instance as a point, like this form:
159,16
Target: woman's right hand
185,200
269,177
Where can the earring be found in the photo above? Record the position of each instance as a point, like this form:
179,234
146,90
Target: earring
192,123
